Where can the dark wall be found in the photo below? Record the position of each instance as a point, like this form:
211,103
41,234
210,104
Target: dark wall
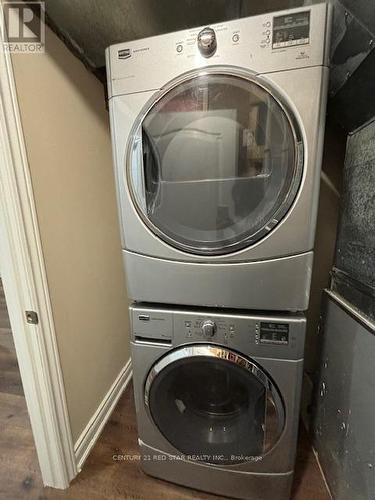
352,73
354,273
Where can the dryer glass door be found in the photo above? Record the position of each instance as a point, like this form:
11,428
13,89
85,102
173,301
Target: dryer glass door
215,163
214,405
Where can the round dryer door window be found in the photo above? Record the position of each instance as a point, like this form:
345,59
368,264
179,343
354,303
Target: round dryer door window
214,162
213,405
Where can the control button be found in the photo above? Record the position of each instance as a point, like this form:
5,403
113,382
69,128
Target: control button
235,37
188,323
208,328
207,42
179,48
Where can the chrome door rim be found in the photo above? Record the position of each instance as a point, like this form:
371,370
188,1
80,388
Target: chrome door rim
295,182
210,351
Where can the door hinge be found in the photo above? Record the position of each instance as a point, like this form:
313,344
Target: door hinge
32,317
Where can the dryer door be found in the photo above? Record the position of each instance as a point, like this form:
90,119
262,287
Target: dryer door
214,405
214,162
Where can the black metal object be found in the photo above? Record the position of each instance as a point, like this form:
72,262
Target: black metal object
352,66
363,10
351,43
360,295
354,273
354,104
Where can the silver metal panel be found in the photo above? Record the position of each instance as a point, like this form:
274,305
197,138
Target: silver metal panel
216,480
345,413
149,63
305,92
279,284
154,324
122,114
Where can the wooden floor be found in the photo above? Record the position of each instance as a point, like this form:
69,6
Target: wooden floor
102,478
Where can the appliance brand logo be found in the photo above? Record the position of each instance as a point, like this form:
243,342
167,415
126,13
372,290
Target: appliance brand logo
124,54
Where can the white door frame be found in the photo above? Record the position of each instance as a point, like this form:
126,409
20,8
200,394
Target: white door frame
26,289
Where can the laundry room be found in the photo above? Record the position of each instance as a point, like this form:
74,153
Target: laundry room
187,250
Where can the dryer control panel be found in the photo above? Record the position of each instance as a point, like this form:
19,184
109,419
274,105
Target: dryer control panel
275,336
279,41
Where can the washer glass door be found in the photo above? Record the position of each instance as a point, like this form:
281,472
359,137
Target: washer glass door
214,405
215,162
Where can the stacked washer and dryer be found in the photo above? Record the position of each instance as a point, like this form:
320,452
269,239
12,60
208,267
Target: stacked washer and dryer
217,136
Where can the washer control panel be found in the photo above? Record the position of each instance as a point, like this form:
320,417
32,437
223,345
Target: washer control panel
277,336
201,328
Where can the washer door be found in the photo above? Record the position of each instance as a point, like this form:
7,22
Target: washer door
214,162
214,405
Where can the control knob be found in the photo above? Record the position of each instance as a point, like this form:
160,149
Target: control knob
207,42
208,328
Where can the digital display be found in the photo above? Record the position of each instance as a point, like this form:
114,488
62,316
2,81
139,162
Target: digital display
291,30
274,333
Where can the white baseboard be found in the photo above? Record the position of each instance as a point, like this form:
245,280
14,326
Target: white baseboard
92,431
